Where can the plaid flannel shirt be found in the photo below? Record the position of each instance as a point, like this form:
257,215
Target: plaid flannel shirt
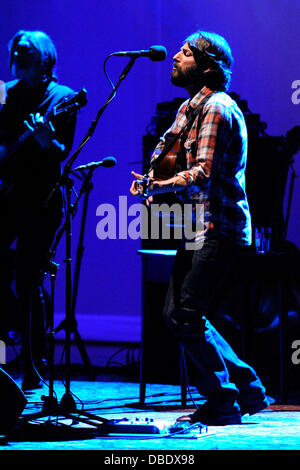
215,164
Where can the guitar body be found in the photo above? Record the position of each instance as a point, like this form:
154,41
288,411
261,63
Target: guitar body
165,169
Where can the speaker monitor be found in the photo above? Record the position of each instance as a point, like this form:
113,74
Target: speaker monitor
12,403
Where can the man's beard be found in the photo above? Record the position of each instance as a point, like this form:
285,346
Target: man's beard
189,77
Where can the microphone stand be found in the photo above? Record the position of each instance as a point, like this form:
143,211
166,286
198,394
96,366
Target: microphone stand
69,323
67,401
67,406
50,401
86,189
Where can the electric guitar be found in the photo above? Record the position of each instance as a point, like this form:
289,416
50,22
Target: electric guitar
71,103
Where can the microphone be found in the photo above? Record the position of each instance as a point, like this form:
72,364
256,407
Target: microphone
155,53
106,162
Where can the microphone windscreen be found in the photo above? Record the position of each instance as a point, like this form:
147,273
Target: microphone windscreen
158,53
109,161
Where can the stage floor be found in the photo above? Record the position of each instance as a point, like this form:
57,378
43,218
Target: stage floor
275,428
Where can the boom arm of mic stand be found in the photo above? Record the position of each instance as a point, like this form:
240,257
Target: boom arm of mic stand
92,128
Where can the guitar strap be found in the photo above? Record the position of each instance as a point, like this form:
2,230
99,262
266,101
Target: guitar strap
181,159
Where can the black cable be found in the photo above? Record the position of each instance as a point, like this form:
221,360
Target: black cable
108,78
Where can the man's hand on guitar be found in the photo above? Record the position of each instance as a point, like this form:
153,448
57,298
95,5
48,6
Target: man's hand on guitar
147,187
140,186
43,133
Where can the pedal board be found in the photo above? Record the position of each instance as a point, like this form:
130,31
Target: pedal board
147,426
132,426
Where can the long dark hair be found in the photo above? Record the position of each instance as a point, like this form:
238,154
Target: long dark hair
42,45
212,51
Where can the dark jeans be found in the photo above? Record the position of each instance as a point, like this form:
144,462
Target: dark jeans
196,283
33,230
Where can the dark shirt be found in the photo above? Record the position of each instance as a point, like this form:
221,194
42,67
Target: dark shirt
32,170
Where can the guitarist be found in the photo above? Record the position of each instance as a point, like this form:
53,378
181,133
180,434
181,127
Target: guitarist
211,172
28,173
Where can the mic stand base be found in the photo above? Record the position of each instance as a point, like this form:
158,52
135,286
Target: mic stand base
67,403
50,404
66,409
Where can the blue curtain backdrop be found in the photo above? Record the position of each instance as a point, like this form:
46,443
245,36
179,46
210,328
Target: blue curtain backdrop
264,37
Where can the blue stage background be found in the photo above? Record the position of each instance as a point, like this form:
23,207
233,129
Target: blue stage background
264,37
